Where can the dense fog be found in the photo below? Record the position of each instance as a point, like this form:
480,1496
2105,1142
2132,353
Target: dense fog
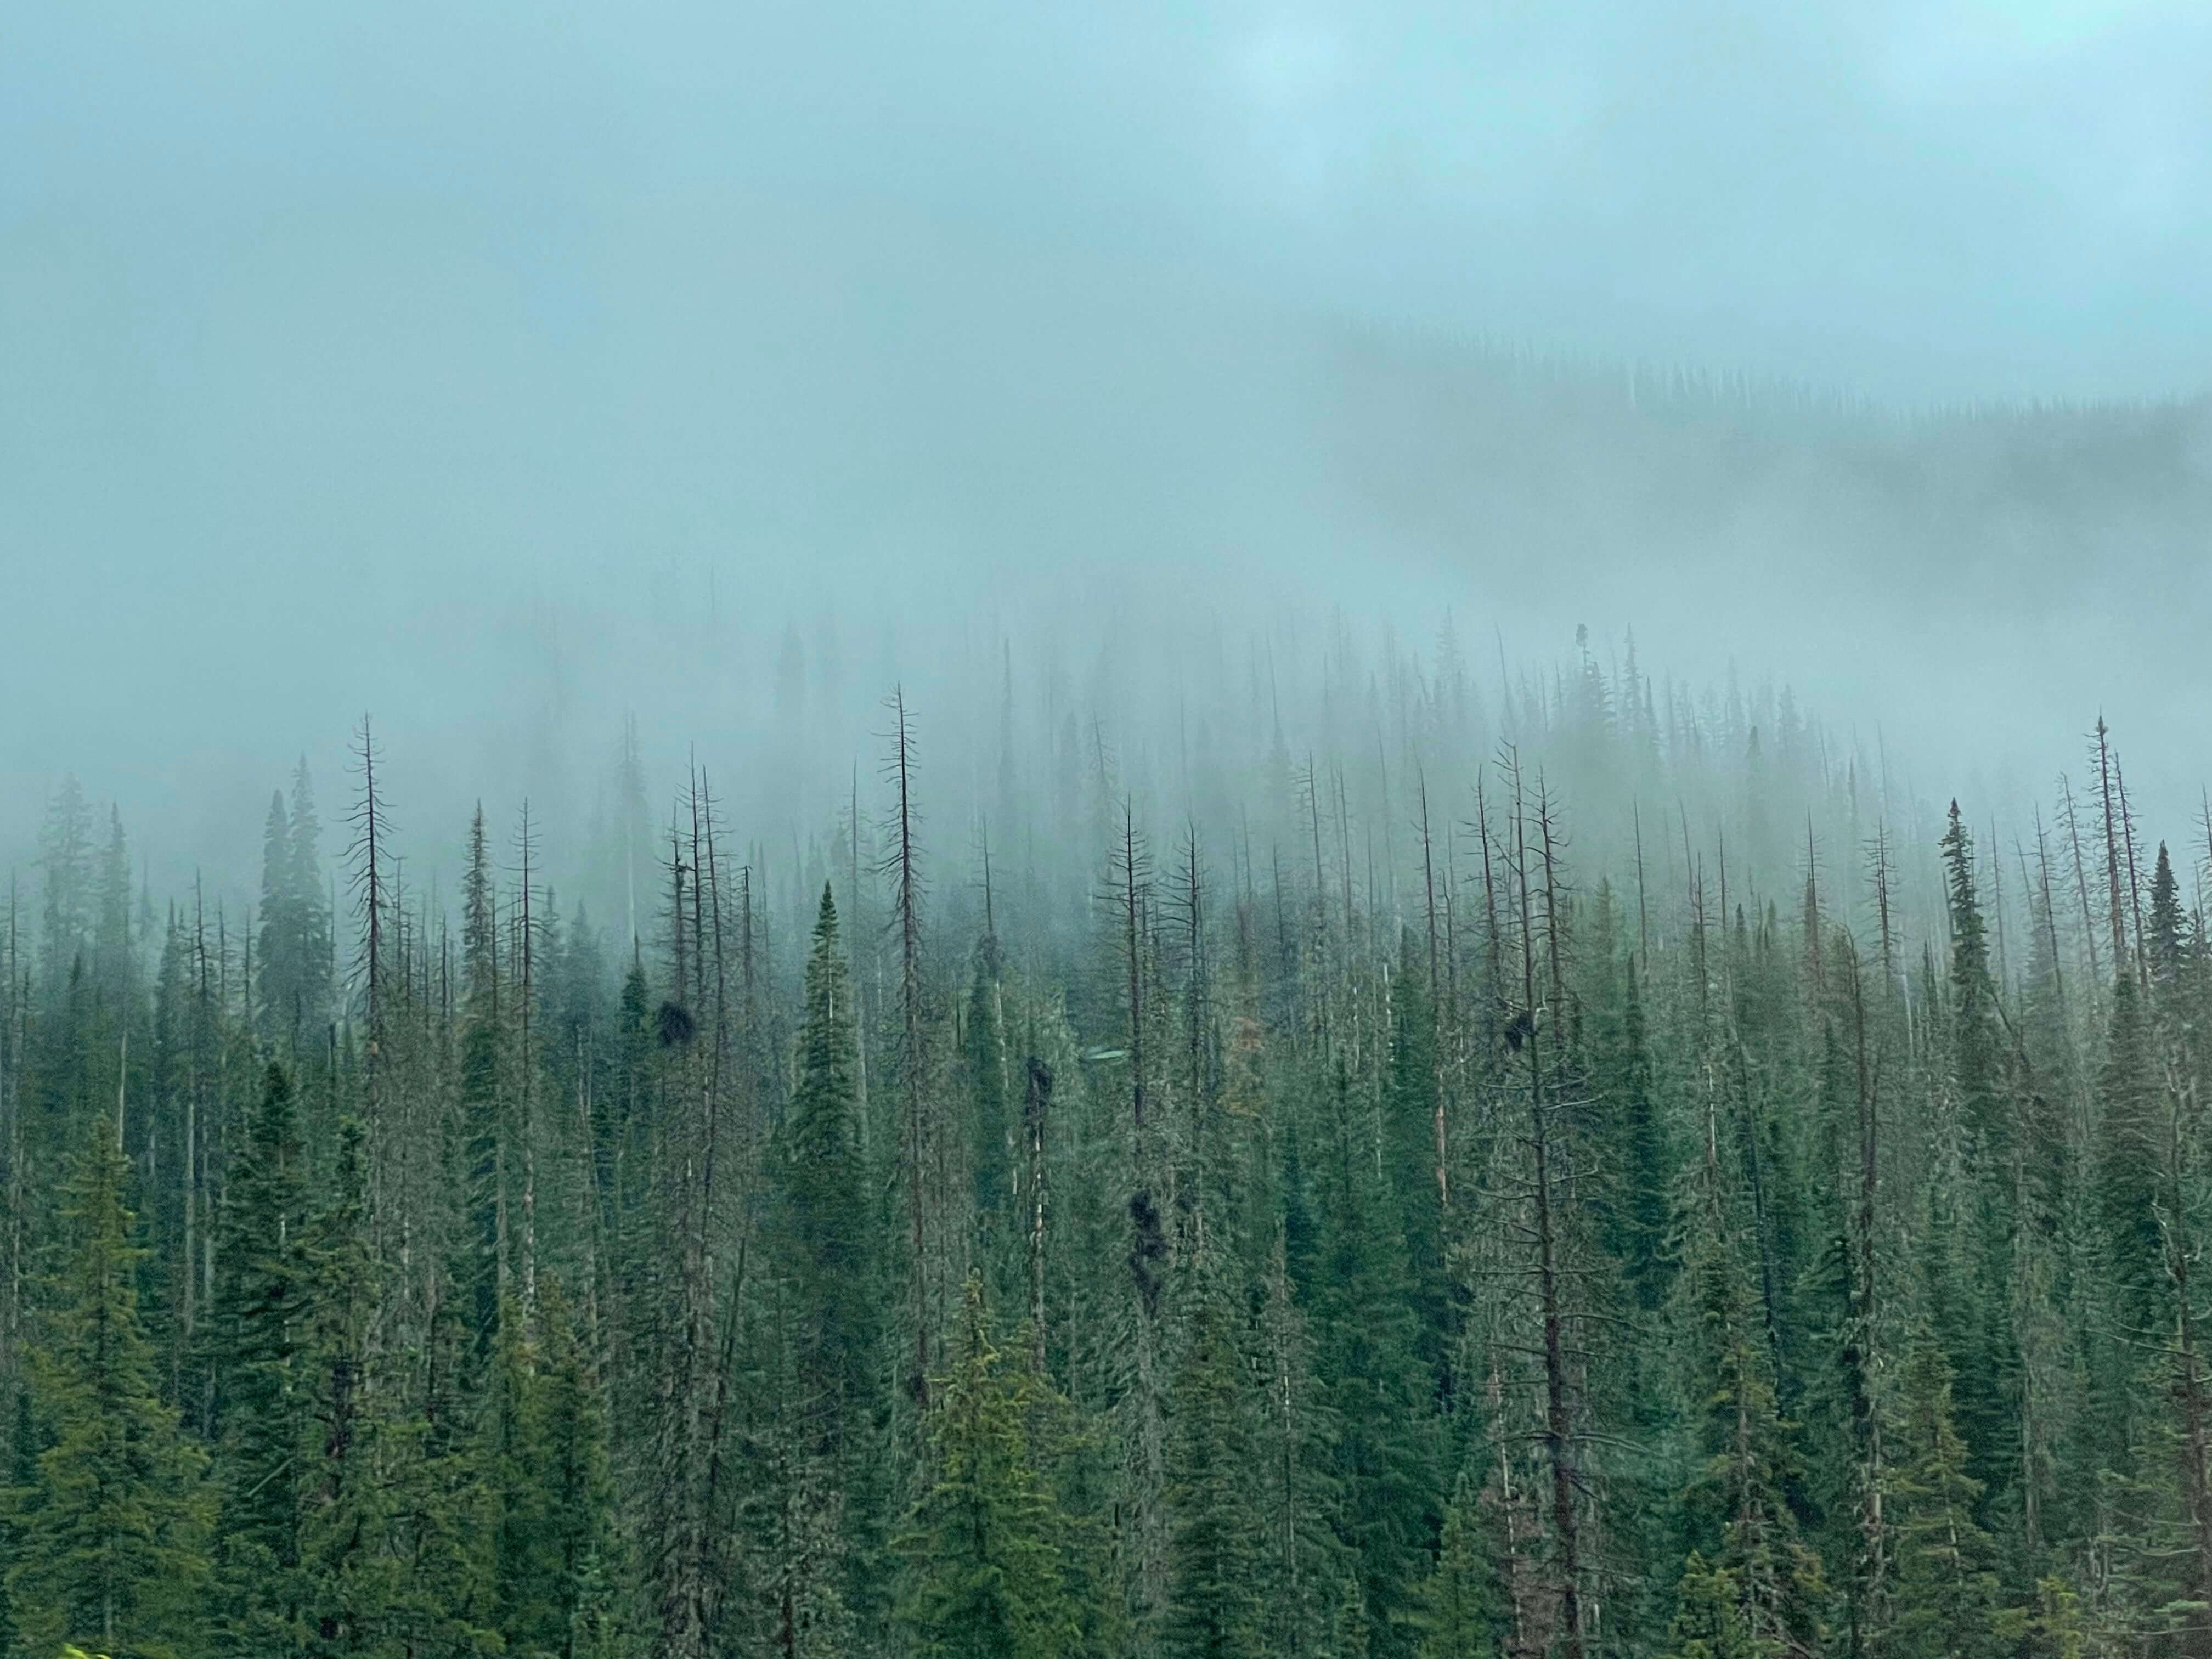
986,832
511,383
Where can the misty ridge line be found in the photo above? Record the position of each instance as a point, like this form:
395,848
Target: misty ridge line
911,445
1697,388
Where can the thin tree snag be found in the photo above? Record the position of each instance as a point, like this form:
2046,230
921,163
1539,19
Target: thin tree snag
1559,1444
2119,916
910,1046
1035,1102
1436,1022
2081,880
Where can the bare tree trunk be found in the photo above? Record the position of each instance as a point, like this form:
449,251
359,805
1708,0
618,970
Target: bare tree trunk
1558,1443
1882,906
1196,991
1873,1542
1133,963
366,820
1319,1013
910,1049
1436,1021
2050,918
1643,910
1034,1104
526,1066
2135,886
1497,944
2081,879
2112,848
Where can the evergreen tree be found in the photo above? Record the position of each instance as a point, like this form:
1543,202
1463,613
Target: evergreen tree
310,913
1709,1622
1368,1338
557,1542
1410,1111
65,858
294,972
482,1080
349,1582
1947,1591
1634,1217
264,1317
1460,1617
1216,1536
111,1534
1982,1346
1306,1574
2164,933
825,1204
1746,1543
983,1545
991,1138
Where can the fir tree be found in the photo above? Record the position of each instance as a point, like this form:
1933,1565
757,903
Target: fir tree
1947,1592
1368,1341
1215,1537
264,1317
983,1545
1462,1608
820,1173
112,1535
349,1582
557,1542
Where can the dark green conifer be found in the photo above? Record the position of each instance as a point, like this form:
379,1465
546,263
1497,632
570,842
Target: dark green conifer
1946,1587
982,1547
1217,1538
265,1314
111,1536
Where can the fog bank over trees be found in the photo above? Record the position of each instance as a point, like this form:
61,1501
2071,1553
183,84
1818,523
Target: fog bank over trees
1129,833
507,527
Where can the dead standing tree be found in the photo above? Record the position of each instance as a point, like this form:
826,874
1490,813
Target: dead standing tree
1438,1009
695,1033
901,864
1129,897
1529,867
369,853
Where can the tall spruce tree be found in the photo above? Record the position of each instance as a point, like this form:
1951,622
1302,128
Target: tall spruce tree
112,1535
1217,1538
264,1317
983,1545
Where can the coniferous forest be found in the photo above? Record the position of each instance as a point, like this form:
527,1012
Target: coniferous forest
1585,1167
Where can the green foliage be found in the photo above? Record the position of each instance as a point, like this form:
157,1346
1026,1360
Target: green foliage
1709,1622
824,1190
1463,1607
264,1313
1215,1606
1749,1552
112,1533
1946,1590
983,1545
557,1542
1856,1307
2050,1627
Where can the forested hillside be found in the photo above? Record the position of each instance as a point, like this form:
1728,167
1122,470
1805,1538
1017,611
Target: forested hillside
1597,1170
